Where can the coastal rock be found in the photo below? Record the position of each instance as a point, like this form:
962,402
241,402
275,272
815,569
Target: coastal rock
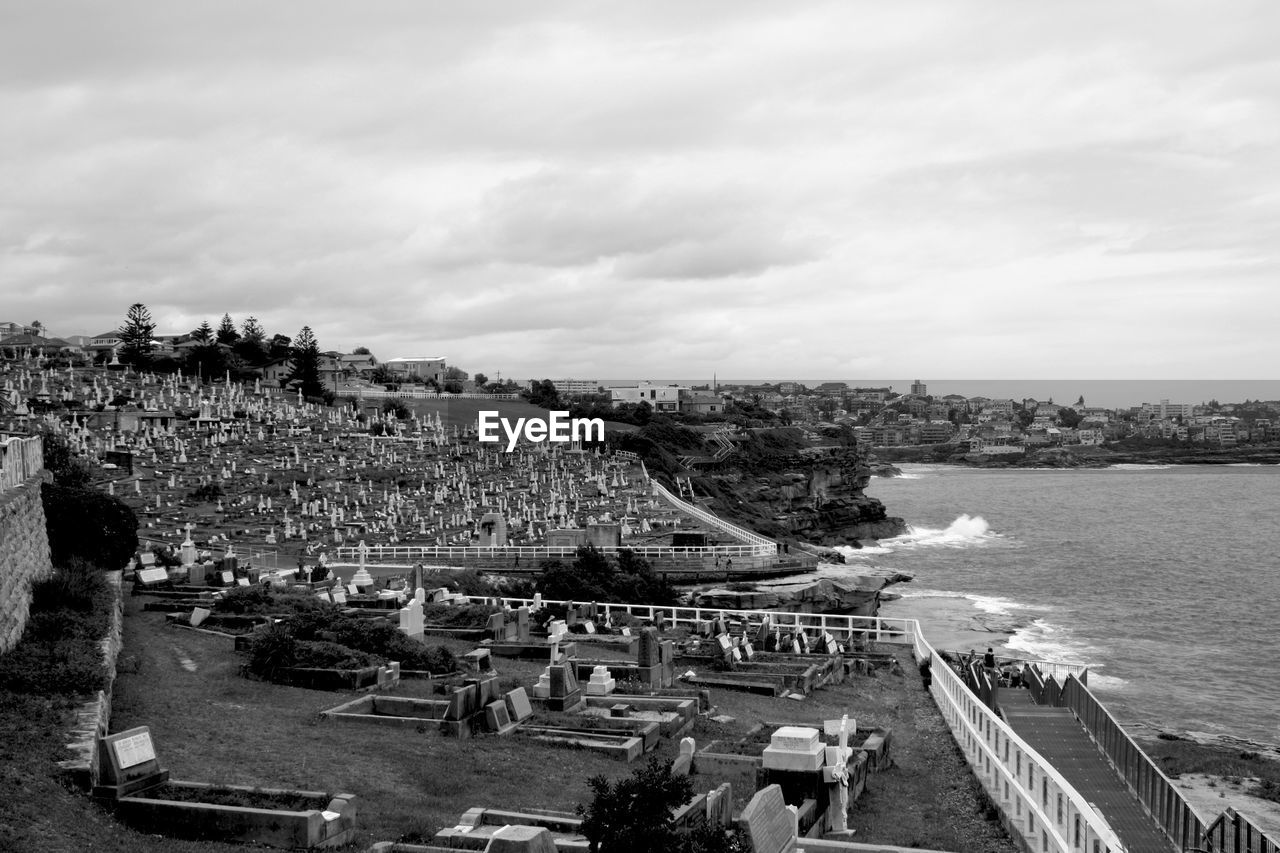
814,497
860,595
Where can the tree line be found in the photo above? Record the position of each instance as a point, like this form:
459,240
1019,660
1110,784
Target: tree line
242,352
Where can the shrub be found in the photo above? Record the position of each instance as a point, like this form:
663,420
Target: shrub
594,577
89,525
318,653
60,650
272,649
633,815
75,586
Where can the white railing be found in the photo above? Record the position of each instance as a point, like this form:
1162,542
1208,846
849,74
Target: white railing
762,546
20,458
395,554
420,394
1042,807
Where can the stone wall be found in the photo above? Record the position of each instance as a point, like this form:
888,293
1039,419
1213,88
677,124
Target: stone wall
24,556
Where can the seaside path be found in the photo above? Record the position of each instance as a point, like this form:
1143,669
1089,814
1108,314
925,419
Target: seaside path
1055,734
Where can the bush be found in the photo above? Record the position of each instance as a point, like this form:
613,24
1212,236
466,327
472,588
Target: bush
272,649
324,655
60,650
88,525
594,577
75,586
633,815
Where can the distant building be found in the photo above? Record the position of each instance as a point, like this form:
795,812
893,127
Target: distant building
875,395
789,388
662,398
571,387
919,389
425,367
1164,410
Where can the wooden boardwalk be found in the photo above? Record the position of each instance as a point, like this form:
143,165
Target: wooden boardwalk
1055,734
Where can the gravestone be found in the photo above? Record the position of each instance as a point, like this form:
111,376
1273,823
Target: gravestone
497,719
600,683
478,661
411,619
496,627
565,694
650,652
518,705
152,577
794,748
683,764
198,615
768,823
127,763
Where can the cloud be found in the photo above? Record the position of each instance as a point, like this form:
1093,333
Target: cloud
662,190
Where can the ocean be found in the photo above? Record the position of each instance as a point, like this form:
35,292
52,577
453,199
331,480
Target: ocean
1164,580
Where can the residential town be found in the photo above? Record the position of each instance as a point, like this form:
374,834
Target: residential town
877,416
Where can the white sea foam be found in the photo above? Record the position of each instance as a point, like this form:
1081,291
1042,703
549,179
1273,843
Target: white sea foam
1137,466
1106,682
965,531
1044,641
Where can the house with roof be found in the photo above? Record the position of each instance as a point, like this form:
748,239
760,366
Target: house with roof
424,367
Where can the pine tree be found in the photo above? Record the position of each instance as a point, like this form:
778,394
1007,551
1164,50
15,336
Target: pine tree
252,346
305,355
227,333
203,333
251,330
135,336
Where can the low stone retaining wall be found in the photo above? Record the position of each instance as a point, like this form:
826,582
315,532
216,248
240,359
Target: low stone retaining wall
93,718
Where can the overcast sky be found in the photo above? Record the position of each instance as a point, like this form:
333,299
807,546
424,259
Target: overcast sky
770,190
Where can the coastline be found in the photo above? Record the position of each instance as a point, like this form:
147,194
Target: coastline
1101,456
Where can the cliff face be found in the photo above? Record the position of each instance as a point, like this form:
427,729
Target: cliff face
812,496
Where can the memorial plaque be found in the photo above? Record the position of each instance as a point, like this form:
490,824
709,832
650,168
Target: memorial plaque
157,575
134,750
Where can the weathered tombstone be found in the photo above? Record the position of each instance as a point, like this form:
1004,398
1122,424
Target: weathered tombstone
764,633
522,625
747,651
496,627
767,822
600,683
497,719
794,748
339,595
152,577
127,763
198,615
683,765
565,693
478,661
650,651
589,626
518,704
411,619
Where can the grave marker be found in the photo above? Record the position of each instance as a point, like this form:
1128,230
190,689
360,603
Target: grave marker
768,823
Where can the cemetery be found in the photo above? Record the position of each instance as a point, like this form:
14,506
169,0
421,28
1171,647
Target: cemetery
288,676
